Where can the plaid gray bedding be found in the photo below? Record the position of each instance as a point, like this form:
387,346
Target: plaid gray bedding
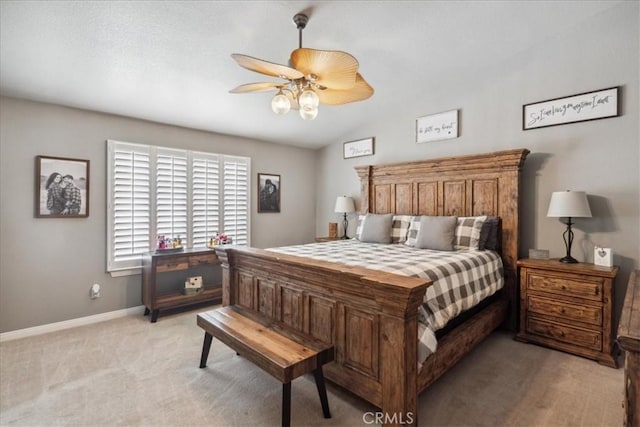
461,279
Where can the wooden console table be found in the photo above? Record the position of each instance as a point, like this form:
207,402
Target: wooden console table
164,274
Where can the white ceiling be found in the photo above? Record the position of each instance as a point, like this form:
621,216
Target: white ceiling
169,61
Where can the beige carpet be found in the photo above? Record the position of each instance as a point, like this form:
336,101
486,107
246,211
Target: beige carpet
131,372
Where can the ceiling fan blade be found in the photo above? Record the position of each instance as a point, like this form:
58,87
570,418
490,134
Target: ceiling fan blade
333,69
266,67
257,87
359,92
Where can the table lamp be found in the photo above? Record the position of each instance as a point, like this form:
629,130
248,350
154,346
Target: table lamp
569,204
345,205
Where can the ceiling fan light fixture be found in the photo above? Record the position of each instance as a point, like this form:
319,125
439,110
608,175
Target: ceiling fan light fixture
308,98
280,104
308,113
313,77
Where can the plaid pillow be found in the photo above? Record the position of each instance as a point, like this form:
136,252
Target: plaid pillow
412,234
467,234
400,228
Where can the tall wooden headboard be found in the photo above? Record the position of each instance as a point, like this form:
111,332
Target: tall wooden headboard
483,184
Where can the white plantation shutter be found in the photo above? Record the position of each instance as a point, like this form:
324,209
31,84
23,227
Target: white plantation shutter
171,194
129,204
160,191
235,199
205,179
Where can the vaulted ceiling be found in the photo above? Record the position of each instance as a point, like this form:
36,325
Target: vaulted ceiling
169,61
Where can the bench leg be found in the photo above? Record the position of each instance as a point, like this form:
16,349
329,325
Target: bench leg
286,404
322,391
206,345
154,315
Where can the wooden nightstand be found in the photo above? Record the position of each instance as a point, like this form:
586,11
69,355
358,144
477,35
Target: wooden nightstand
568,307
326,239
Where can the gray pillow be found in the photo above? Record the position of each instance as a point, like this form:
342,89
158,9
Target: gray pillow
376,228
436,232
490,233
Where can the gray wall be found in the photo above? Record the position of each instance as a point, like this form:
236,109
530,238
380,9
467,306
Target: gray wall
48,265
600,157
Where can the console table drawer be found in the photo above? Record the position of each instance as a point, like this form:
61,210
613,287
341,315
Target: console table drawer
591,290
580,337
580,312
172,264
196,260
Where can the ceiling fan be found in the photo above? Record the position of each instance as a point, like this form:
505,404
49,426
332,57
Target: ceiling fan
314,76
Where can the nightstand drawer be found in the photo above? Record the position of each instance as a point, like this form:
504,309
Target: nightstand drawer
581,313
581,337
545,282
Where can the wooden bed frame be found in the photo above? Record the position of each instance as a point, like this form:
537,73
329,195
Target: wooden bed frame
370,316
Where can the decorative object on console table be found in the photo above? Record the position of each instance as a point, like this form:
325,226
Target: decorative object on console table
568,307
268,193
162,291
345,205
62,187
569,204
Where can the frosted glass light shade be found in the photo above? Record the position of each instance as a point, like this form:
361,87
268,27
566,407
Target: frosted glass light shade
308,113
345,204
308,99
280,104
572,204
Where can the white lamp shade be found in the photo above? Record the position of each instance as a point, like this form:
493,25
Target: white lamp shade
569,204
345,204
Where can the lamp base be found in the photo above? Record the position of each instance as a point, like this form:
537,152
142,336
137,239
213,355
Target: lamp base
569,260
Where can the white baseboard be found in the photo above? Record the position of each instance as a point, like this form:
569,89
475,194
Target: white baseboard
59,326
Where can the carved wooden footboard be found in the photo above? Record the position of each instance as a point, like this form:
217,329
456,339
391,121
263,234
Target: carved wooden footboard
370,316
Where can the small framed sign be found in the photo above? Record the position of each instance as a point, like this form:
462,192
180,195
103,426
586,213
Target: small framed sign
361,147
598,104
602,257
437,126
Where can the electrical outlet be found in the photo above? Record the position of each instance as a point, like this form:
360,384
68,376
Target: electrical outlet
94,292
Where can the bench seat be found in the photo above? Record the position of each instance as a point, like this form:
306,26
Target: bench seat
283,353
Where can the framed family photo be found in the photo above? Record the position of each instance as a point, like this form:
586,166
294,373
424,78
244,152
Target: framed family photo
268,193
62,187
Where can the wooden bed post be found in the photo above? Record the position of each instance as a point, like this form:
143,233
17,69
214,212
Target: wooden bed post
399,367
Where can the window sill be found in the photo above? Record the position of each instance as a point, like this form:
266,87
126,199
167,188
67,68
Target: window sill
126,272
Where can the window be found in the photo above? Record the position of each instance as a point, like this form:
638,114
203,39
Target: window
177,193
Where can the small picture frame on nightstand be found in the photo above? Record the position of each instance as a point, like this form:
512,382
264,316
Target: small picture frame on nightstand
602,257
539,253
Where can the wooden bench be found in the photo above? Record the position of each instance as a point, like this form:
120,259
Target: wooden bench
283,353
629,341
